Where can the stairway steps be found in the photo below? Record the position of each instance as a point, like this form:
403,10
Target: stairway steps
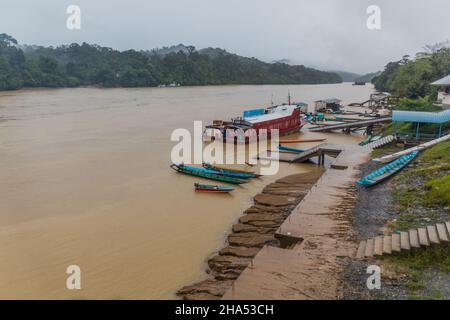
369,248
442,232
378,246
387,244
423,237
432,235
361,249
404,241
414,238
396,246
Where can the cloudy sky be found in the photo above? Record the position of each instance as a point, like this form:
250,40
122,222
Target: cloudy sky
328,34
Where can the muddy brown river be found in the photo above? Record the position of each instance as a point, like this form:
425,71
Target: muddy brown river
85,180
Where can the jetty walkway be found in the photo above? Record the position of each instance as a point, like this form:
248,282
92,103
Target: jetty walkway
325,149
352,126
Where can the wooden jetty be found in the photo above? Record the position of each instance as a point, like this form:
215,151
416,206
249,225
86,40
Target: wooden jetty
353,126
404,241
322,150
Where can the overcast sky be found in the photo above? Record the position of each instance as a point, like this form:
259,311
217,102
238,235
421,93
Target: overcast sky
328,34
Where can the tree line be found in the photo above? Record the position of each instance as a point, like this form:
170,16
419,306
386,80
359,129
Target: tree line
412,78
92,65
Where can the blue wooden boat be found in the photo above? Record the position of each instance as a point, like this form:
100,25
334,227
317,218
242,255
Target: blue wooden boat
207,174
388,170
212,189
370,139
231,172
283,148
365,141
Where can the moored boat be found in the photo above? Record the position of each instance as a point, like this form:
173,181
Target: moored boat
211,188
370,139
230,172
207,174
283,148
235,169
387,170
284,118
302,140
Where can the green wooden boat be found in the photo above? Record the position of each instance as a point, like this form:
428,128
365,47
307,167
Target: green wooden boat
203,173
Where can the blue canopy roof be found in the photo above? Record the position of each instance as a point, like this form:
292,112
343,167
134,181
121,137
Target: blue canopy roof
422,117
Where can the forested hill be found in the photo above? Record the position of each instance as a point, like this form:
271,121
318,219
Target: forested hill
86,65
412,78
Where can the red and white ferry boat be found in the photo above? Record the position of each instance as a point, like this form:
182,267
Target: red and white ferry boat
286,118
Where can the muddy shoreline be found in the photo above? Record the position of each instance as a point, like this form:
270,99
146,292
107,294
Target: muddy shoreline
254,229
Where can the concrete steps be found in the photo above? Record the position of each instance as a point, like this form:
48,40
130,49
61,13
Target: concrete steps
404,241
379,143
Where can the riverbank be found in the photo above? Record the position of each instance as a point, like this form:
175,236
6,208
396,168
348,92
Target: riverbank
417,196
255,229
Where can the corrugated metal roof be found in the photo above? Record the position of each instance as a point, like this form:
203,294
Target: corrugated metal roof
423,117
442,82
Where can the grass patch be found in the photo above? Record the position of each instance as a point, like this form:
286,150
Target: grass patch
435,295
421,196
422,259
426,183
439,191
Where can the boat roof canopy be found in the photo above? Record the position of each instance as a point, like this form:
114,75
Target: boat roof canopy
278,112
442,82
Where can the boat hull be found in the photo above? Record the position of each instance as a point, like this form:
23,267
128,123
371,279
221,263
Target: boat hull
387,170
283,148
212,189
230,172
206,174
242,131
302,141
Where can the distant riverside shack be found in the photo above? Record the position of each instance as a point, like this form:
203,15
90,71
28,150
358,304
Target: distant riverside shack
444,91
332,104
421,125
378,101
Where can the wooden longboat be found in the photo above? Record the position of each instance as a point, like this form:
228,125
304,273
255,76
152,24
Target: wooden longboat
213,189
387,170
302,141
231,172
283,148
207,174
222,167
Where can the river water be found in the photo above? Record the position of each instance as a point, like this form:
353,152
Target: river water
85,180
